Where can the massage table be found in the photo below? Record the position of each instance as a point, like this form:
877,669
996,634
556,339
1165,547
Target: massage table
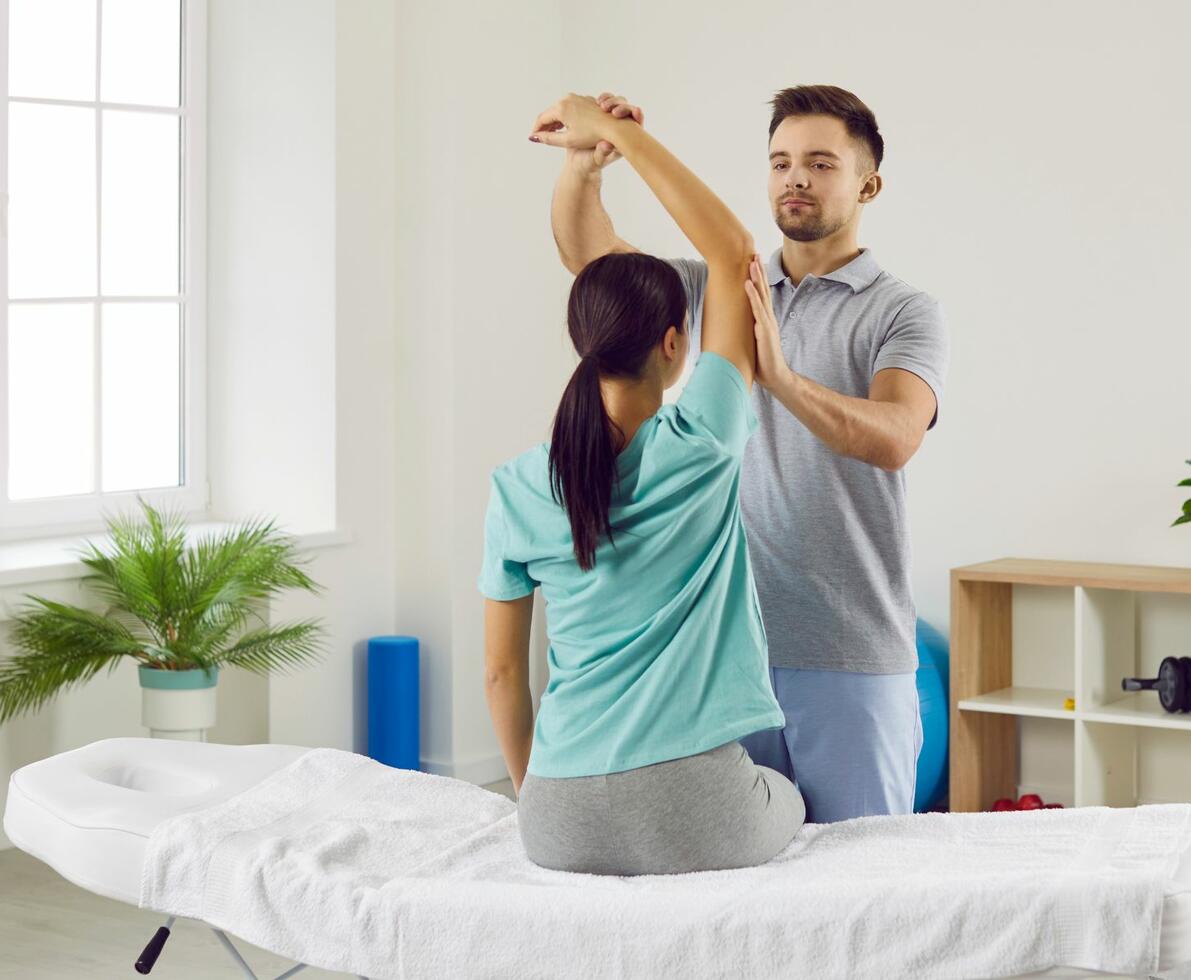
336,861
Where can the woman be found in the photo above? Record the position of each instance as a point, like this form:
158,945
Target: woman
630,522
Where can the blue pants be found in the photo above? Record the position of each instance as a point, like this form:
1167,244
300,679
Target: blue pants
850,744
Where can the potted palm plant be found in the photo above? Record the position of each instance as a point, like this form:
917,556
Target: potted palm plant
181,612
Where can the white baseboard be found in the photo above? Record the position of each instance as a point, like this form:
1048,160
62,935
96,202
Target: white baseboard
481,771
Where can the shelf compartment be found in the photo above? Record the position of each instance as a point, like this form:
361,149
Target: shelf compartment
1105,764
1026,702
1106,645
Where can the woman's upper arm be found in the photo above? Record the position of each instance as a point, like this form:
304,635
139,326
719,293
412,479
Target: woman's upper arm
727,313
506,634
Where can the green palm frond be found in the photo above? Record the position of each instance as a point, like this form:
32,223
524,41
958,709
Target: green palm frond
142,573
219,633
228,573
275,647
60,645
168,605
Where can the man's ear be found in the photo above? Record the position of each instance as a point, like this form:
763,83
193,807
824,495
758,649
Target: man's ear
871,187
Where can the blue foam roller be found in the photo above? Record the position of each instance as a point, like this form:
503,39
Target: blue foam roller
393,701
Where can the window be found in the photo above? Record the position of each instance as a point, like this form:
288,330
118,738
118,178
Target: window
102,273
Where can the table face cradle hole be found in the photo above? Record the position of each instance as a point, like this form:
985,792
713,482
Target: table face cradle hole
150,779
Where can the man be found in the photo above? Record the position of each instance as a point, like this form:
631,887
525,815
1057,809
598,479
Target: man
850,363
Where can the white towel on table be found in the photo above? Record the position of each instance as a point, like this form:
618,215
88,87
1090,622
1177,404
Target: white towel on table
346,864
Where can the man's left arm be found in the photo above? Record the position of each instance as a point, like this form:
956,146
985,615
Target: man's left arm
886,428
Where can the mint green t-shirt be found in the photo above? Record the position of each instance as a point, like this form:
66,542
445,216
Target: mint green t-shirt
658,652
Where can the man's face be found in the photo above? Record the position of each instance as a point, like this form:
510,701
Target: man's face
814,158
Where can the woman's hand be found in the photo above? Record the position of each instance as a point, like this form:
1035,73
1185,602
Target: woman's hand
772,368
593,160
576,122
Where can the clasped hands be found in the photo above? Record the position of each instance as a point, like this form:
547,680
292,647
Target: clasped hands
586,127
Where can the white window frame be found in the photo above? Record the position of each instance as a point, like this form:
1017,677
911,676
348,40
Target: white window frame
82,513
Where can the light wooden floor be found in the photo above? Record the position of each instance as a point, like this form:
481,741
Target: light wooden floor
53,930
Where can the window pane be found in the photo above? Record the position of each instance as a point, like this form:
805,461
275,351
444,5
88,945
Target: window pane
140,396
50,400
140,204
51,49
51,223
140,60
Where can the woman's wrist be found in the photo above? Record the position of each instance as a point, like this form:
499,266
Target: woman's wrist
622,133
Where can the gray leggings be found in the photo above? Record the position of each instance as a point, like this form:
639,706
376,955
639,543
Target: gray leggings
704,812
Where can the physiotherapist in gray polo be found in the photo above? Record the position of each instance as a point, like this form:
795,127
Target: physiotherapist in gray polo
851,362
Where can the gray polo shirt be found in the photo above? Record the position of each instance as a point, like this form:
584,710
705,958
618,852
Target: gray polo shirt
828,535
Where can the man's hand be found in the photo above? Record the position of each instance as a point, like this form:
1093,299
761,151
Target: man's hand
605,153
591,159
772,368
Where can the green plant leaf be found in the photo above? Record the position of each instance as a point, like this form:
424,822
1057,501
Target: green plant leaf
59,646
1184,483
1185,519
276,647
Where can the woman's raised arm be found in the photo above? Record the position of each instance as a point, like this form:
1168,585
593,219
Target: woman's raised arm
715,232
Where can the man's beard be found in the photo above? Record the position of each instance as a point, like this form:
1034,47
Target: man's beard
807,230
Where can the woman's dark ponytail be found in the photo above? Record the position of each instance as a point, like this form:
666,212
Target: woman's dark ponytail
620,307
583,455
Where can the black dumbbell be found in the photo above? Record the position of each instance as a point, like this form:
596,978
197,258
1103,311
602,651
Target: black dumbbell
1173,684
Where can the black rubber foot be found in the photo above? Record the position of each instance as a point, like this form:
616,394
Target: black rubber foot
153,950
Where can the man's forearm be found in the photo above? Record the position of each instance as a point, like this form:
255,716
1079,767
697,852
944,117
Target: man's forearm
582,229
878,433
511,707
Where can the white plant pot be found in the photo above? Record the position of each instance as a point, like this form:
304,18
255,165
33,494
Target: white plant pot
178,704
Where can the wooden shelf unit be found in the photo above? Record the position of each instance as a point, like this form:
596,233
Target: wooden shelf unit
986,706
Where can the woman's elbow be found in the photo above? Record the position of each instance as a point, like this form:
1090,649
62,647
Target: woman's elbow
736,251
503,676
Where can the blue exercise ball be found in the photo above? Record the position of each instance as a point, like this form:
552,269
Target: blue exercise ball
934,670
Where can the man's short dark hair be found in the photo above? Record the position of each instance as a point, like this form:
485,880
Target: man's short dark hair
830,100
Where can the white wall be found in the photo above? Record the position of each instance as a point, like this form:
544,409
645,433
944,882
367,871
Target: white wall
271,260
